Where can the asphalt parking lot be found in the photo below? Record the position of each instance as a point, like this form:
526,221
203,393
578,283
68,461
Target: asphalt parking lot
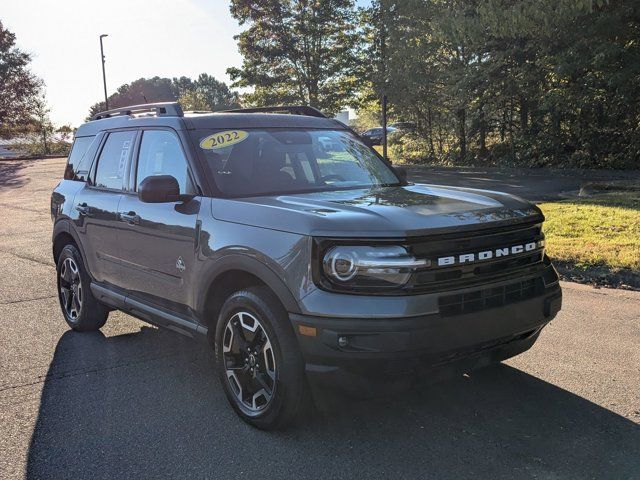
136,402
536,185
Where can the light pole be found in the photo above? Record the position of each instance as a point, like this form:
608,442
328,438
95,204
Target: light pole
104,77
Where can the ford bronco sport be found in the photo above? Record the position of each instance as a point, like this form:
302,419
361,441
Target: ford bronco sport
303,256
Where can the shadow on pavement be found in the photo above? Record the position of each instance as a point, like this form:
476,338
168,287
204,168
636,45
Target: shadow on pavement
147,404
11,175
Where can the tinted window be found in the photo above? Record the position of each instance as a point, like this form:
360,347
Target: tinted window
160,154
113,159
77,164
254,162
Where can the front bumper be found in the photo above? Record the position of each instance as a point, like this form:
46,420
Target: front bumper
346,351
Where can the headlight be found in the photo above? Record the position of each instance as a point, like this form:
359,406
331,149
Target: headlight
370,266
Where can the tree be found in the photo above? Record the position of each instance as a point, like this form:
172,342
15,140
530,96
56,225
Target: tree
205,93
18,86
42,124
531,82
66,133
142,90
297,52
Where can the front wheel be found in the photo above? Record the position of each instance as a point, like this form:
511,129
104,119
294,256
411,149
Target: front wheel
258,360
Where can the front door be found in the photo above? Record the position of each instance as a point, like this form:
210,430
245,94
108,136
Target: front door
157,241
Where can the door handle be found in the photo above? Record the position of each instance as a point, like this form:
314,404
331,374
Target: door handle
84,209
130,217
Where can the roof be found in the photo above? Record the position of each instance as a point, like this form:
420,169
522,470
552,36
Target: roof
220,120
260,120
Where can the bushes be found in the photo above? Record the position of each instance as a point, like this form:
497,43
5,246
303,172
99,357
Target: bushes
37,148
529,152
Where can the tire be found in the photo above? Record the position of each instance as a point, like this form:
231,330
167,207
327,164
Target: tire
267,396
80,308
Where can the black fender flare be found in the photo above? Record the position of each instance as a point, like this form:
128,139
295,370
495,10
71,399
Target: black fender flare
254,267
64,225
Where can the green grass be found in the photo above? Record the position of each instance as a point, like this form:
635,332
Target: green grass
600,233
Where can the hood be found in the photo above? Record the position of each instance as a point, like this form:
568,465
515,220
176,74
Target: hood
391,212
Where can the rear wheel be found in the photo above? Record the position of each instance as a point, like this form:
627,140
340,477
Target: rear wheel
258,359
80,308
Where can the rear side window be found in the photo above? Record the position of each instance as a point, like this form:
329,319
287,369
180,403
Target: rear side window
113,160
79,162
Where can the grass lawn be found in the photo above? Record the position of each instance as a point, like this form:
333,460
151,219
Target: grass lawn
597,236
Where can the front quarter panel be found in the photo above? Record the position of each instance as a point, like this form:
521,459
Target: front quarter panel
280,259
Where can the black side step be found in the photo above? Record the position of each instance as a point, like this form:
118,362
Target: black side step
148,313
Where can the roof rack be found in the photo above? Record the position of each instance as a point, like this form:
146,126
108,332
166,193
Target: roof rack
290,109
162,109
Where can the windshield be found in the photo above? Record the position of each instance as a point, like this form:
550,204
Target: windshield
278,161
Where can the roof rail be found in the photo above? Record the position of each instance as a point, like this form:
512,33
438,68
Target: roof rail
162,109
290,109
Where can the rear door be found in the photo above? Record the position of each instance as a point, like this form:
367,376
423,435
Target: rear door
157,240
96,206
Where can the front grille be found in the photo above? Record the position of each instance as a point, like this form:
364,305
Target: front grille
435,278
487,298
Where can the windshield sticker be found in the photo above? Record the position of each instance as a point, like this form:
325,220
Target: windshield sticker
223,139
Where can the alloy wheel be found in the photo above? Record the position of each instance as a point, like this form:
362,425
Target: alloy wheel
249,361
70,288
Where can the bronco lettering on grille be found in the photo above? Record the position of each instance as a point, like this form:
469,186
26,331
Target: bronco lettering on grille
489,254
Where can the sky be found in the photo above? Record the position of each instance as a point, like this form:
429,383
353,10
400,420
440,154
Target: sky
167,38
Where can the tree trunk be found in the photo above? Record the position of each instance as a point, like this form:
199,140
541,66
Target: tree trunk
462,133
430,127
482,132
524,114
314,93
556,122
44,138
503,124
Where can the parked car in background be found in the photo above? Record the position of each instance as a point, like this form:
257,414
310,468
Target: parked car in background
374,135
406,126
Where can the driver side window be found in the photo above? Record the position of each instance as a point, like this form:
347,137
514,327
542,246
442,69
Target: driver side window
161,154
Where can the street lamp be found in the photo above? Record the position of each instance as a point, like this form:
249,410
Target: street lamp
104,77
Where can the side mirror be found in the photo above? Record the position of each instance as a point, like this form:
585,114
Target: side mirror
401,172
159,189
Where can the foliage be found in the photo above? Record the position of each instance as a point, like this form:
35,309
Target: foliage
18,86
39,136
297,52
368,117
23,106
42,126
207,93
528,82
204,93
142,90
34,146
66,133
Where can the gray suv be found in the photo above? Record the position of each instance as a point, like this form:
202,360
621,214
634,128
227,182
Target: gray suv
301,255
